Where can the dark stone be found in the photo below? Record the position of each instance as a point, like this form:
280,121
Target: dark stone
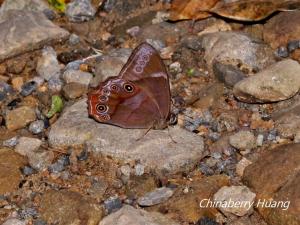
112,204
5,90
227,74
192,42
28,88
83,155
293,45
27,171
60,164
206,221
282,52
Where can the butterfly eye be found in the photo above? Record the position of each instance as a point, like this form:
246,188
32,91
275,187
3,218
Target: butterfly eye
101,108
128,88
103,98
114,88
105,92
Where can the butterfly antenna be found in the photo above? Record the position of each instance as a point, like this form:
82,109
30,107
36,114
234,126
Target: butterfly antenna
144,134
170,136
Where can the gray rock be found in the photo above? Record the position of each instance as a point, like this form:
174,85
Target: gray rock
243,50
14,222
235,194
112,204
74,90
12,142
125,170
19,117
110,65
243,140
77,76
80,11
28,88
74,39
59,165
26,31
129,215
156,197
227,74
139,169
47,65
41,160
30,5
155,150
156,43
55,84
37,126
5,90
278,82
27,146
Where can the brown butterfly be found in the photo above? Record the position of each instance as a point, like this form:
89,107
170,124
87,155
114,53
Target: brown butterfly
139,97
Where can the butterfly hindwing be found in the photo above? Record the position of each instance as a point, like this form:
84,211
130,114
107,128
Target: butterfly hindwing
139,97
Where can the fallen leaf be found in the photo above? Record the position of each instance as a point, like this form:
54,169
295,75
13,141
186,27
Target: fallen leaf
192,9
253,10
56,106
59,5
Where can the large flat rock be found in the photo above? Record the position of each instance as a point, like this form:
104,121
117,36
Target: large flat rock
155,150
22,31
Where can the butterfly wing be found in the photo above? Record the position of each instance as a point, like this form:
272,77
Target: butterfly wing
139,97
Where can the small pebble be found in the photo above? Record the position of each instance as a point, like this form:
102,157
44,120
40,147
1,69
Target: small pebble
157,44
207,221
260,140
5,90
60,164
74,39
83,155
126,170
293,45
55,85
112,204
282,52
156,197
27,171
28,88
175,68
139,169
37,126
50,14
80,10
133,31
28,213
12,142
205,169
74,65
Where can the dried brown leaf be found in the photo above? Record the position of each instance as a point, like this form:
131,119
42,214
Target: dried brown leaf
192,9
253,10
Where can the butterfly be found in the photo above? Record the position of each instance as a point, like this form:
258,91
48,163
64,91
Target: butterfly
139,97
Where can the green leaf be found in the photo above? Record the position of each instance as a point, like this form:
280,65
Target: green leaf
56,106
191,72
59,5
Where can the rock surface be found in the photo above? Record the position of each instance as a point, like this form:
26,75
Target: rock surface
187,206
155,197
243,140
10,173
47,65
246,51
155,150
275,176
19,117
235,194
278,82
68,208
129,215
26,31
